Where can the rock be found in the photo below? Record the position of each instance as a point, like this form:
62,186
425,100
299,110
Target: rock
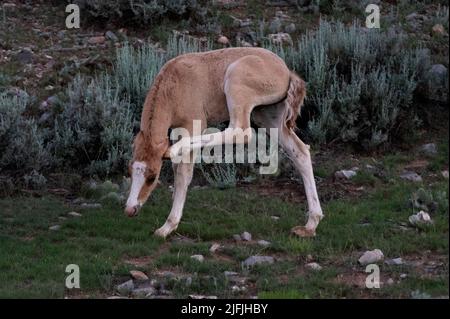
61,34
429,149
111,36
313,266
281,38
403,276
25,56
198,258
223,40
97,40
91,205
144,292
246,236
74,214
290,28
215,247
188,282
237,237
237,289
411,176
438,29
55,227
390,281
394,261
437,75
345,174
117,297
421,218
445,174
126,287
371,257
138,275
275,218
202,297
275,25
263,243
258,260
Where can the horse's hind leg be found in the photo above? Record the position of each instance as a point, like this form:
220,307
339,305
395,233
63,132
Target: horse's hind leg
273,117
299,154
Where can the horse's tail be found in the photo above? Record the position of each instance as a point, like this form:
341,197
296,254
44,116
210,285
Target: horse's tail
294,99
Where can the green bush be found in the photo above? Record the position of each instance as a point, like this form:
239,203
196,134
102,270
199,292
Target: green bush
94,131
140,11
361,83
22,143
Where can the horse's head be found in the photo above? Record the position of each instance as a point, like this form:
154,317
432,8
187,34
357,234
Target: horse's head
144,170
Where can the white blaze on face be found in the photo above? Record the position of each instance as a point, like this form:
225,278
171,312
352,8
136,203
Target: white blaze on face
137,181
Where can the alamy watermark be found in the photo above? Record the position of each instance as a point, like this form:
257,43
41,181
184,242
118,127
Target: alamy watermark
73,279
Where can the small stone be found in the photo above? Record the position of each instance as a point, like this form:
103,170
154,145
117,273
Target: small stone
290,28
281,38
275,218
246,236
55,227
403,276
390,281
91,205
421,218
411,176
144,292
438,29
445,174
371,257
202,297
126,287
429,149
237,237
198,258
230,273
138,275
309,258
215,247
258,260
62,218
223,40
264,243
111,36
237,289
345,174
97,40
25,56
313,266
275,25
117,297
394,261
74,214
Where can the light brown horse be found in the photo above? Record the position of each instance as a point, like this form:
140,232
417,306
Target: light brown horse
214,87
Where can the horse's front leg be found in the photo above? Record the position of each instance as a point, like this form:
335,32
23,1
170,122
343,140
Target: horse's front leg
183,175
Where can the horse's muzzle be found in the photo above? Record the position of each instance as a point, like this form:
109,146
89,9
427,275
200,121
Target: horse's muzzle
131,211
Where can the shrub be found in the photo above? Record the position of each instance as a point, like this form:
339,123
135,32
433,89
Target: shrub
140,11
94,131
22,143
361,83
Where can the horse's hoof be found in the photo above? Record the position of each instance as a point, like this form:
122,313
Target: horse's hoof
161,232
302,231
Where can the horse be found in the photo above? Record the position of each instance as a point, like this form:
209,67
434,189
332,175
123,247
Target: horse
232,84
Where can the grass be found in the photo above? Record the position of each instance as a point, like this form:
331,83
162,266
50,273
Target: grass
33,258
